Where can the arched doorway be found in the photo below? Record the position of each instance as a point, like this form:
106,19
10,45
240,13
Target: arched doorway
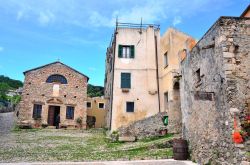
175,116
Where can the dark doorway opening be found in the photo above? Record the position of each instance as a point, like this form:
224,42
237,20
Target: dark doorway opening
53,112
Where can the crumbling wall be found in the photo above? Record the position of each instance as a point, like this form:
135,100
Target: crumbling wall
211,85
147,127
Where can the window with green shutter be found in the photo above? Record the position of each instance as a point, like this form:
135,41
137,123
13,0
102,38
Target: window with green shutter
125,80
126,51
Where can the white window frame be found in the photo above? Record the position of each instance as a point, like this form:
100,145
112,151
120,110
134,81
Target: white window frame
126,51
101,103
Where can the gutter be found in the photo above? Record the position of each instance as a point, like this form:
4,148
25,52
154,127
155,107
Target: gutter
157,73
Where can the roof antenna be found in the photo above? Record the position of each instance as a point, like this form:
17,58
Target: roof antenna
141,27
116,24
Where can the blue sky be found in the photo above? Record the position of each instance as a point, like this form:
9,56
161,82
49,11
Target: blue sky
37,32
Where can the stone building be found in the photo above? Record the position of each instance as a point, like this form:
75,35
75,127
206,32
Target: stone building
96,108
131,83
171,44
215,92
51,90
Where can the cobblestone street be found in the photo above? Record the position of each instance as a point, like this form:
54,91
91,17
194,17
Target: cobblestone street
6,122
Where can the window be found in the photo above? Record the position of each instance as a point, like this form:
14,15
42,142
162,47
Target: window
89,105
70,112
56,78
166,59
125,80
198,75
37,111
101,105
126,51
130,107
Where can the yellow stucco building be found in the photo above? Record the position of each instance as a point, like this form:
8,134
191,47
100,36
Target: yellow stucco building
96,108
172,44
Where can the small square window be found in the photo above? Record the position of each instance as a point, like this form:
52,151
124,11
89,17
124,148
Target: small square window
130,107
70,112
89,105
198,75
101,105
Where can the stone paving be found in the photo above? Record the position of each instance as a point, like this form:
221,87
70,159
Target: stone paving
6,122
139,162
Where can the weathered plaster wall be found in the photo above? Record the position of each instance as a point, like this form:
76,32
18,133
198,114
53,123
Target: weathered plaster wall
171,43
143,76
36,90
99,113
208,105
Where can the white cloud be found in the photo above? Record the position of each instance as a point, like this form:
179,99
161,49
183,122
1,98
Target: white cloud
177,20
92,69
88,14
46,18
1,48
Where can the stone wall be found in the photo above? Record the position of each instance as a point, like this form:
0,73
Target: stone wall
147,127
215,85
37,91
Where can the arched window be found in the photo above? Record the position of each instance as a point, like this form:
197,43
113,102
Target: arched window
56,78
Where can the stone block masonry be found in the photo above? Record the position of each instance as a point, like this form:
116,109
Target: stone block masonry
54,97
215,90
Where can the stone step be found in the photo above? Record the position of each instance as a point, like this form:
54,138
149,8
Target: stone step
127,139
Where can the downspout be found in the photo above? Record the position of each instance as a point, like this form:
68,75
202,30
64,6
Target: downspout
157,72
112,86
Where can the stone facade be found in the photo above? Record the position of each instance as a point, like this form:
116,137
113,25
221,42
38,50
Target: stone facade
54,97
215,90
98,111
148,127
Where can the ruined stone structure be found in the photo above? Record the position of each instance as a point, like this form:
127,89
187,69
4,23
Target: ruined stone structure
131,85
215,90
51,90
147,127
172,42
96,108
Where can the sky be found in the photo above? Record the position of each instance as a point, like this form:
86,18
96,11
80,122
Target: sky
77,32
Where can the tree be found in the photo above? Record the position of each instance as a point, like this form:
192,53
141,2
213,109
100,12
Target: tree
95,91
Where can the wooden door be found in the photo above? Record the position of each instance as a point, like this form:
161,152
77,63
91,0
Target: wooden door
51,116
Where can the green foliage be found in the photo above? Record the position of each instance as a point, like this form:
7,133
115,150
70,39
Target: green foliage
7,84
95,91
15,99
14,84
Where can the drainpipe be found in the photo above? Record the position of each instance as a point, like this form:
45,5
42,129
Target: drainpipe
157,73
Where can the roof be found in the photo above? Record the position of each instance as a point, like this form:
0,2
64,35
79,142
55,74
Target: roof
57,62
247,9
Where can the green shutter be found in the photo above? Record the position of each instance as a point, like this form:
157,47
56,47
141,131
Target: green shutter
132,51
128,84
125,80
120,51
